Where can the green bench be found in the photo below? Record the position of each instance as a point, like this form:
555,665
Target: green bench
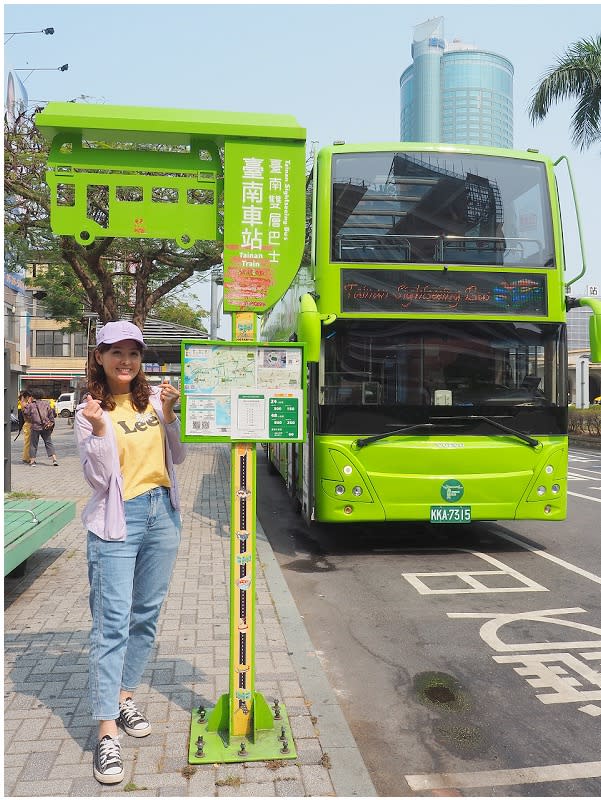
28,524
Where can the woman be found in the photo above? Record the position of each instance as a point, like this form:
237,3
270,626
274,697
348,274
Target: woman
41,419
129,440
24,425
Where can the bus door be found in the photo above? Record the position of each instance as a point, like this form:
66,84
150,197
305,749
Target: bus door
307,488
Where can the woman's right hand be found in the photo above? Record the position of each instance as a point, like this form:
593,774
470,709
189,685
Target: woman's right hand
92,411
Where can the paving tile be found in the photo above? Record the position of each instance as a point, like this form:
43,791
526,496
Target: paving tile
46,628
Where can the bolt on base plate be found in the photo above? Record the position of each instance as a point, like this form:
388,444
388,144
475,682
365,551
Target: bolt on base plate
218,747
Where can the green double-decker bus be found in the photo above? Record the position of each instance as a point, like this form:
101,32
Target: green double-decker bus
434,314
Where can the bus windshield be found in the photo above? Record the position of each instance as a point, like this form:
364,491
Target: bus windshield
451,208
381,373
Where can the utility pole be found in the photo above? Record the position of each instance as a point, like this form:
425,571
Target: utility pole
216,301
582,381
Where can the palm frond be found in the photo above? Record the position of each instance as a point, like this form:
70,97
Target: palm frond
577,74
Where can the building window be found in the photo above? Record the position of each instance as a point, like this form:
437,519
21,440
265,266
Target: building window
49,344
80,345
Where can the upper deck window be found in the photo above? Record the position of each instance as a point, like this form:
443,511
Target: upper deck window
440,208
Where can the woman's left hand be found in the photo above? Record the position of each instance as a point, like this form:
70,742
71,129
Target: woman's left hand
169,397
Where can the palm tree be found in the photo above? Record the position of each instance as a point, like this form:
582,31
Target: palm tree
576,74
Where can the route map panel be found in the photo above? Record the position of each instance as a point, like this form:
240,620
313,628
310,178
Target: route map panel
241,391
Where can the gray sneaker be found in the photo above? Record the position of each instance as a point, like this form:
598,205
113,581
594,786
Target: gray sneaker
108,764
132,721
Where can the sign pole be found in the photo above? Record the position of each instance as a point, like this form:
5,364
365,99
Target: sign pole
242,726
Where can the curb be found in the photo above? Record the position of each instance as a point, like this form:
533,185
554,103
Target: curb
348,772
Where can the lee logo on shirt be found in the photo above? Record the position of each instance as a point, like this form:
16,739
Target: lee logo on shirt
143,421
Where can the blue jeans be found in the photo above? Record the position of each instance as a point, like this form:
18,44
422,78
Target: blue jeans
128,583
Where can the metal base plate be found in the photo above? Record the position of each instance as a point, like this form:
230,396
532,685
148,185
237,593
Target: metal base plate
221,748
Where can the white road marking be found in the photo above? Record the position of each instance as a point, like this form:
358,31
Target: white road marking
595,472
554,559
586,497
505,777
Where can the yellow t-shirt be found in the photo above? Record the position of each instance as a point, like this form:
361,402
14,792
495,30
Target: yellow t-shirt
141,447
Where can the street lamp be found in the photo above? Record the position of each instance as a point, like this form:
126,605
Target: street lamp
62,68
47,31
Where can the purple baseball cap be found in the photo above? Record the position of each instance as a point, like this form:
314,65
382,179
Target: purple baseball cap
113,332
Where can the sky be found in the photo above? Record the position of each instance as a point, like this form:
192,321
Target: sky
335,67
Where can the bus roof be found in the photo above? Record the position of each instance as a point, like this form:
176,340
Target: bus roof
165,125
431,147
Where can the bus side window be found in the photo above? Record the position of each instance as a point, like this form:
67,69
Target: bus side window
98,204
65,194
162,194
129,194
201,197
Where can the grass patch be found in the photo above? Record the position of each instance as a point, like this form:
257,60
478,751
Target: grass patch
274,764
131,787
188,771
326,761
21,496
231,780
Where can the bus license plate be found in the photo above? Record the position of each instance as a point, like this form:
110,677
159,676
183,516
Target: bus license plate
450,513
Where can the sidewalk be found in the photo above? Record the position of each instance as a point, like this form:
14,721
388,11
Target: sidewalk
49,734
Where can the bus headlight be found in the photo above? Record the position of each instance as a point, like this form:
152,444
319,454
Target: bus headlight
348,509
357,491
549,469
548,509
339,489
541,490
555,488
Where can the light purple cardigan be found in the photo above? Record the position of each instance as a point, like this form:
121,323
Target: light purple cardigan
104,514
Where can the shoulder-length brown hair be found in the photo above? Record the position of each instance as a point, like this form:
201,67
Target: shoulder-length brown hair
99,389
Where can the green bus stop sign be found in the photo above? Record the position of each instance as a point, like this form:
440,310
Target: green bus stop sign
161,173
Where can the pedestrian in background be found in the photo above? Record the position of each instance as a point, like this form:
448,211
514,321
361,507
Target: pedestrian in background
41,418
24,425
129,440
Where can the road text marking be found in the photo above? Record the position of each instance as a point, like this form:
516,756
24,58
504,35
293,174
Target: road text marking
466,582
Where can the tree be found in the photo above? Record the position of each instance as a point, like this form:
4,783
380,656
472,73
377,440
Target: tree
576,74
182,313
111,277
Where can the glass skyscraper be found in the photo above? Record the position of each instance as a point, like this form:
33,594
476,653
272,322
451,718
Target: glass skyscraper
455,93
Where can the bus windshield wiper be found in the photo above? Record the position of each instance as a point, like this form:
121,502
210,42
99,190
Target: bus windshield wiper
477,417
472,418
406,429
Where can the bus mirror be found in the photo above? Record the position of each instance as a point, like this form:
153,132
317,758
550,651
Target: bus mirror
309,327
594,327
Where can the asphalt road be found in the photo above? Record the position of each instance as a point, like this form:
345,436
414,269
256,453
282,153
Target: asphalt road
466,659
